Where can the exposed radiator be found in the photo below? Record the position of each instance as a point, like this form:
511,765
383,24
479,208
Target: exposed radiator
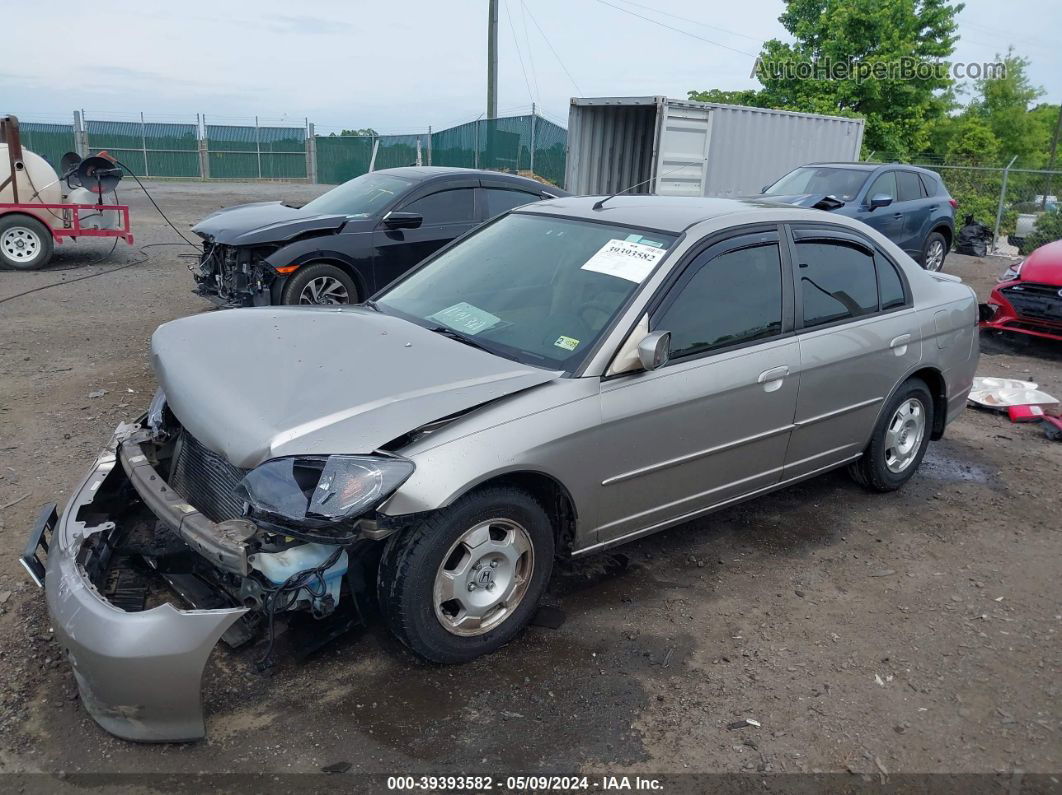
206,479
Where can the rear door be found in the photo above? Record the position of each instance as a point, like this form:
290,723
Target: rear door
448,210
859,336
713,423
916,207
887,220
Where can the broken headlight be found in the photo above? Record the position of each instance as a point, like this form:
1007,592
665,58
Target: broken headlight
318,497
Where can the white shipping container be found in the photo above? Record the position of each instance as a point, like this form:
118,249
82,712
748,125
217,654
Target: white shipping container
684,148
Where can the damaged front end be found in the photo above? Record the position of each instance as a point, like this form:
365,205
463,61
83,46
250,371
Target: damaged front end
234,276
166,548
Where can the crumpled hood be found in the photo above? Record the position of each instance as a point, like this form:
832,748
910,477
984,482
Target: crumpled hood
258,383
1044,265
263,222
797,199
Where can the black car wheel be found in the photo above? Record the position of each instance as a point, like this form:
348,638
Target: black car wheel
320,284
468,578
934,251
25,243
900,439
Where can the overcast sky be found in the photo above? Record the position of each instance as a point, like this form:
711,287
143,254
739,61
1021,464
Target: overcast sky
400,66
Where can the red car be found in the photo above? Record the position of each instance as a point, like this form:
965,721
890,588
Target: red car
1028,298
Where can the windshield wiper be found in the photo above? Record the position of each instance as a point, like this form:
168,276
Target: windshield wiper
446,331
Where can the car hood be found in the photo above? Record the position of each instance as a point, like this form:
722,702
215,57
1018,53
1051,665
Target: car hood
1044,265
799,199
258,383
263,222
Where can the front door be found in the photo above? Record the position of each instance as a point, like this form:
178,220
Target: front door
713,423
858,335
887,220
448,211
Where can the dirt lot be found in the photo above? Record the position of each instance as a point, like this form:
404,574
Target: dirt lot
916,631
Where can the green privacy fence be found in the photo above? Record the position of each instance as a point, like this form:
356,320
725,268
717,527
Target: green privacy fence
518,144
527,144
148,149
50,141
256,152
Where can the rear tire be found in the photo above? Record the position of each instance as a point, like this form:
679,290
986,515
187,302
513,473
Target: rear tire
468,578
25,243
320,284
899,441
934,250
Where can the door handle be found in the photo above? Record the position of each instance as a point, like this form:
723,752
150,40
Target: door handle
772,379
899,344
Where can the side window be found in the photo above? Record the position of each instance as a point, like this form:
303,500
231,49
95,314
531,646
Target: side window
890,286
500,200
455,206
735,297
886,184
837,281
908,186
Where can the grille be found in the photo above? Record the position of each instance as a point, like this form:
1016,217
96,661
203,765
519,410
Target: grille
1039,301
206,479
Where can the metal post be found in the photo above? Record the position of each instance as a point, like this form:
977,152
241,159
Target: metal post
1002,198
258,147
204,153
311,154
477,144
429,144
532,141
143,143
492,59
375,149
420,158
80,138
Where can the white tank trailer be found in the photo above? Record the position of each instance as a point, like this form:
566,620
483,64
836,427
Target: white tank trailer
39,207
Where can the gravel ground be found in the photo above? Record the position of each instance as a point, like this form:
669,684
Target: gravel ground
910,632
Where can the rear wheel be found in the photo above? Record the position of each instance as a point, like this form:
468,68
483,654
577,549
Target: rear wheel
468,579
899,441
25,243
321,284
934,251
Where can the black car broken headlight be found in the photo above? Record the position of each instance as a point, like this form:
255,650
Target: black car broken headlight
318,497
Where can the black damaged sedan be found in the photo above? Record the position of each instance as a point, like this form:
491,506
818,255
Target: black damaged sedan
348,243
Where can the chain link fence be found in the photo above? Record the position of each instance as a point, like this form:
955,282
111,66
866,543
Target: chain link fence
527,144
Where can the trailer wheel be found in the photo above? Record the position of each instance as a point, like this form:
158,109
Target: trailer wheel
25,243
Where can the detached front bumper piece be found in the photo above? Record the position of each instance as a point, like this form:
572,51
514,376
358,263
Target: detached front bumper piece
139,673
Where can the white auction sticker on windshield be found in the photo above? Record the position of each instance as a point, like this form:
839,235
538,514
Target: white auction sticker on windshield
624,259
465,317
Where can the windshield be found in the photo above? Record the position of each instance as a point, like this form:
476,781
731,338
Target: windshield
841,183
363,196
534,288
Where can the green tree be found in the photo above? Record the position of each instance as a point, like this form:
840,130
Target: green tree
749,97
367,132
1003,101
900,111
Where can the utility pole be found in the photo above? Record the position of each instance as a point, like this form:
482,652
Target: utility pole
492,59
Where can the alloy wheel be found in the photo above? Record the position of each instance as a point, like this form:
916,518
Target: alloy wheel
935,256
483,577
324,290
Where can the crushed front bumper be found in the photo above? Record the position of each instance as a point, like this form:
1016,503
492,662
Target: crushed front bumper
139,673
1024,308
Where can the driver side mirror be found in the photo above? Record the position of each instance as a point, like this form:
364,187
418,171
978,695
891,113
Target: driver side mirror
654,349
401,220
880,200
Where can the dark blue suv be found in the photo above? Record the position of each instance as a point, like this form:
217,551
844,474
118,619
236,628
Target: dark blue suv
908,205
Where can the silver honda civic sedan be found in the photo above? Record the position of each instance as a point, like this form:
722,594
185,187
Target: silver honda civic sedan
568,377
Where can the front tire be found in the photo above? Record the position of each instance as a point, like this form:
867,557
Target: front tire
25,243
934,250
467,579
320,284
899,441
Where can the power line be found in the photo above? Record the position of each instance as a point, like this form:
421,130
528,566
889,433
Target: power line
554,51
530,57
692,21
512,29
677,30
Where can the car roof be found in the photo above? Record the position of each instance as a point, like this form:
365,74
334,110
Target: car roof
665,213
863,166
422,173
